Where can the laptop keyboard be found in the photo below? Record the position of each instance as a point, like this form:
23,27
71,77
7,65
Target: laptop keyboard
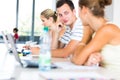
30,63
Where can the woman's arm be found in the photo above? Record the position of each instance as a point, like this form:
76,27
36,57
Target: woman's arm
87,36
94,59
102,37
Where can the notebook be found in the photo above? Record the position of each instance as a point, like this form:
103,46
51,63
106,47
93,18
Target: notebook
7,62
25,61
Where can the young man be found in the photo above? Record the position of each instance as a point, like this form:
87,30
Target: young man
75,35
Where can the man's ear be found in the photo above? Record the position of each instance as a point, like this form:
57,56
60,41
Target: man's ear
74,11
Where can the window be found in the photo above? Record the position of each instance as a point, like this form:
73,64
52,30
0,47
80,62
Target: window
26,14
25,17
22,17
40,5
7,15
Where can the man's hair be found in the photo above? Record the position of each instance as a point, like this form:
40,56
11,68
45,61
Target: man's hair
62,2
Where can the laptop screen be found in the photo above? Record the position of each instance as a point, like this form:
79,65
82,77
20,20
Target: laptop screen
13,47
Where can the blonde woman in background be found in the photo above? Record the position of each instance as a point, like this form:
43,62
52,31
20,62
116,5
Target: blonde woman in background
107,37
56,28
50,19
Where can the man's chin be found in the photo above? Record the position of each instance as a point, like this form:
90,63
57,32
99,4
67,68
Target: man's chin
67,24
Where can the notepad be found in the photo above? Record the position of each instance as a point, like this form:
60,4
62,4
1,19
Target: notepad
70,71
70,66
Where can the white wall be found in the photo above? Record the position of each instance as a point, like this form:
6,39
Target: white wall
112,12
76,6
109,12
116,12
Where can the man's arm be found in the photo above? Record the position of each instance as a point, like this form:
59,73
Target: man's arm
56,34
66,51
74,46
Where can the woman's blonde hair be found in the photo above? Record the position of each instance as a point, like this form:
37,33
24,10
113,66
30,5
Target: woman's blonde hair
47,13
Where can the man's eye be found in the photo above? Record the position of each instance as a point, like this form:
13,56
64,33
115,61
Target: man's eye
66,13
60,15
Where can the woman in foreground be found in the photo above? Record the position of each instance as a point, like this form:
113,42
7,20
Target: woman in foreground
106,40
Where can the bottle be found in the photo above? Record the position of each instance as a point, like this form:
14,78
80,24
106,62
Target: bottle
45,51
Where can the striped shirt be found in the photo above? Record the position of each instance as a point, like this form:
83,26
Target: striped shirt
75,34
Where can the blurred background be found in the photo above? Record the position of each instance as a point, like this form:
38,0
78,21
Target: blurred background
25,15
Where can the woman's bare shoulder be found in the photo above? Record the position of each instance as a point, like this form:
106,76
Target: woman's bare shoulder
108,28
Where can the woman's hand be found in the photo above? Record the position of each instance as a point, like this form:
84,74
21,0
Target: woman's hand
94,59
26,47
35,50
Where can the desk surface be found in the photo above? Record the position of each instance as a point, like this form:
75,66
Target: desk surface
21,73
64,74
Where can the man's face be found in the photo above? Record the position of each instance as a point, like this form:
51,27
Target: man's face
66,15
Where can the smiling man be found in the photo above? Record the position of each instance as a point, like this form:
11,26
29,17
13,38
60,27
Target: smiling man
76,34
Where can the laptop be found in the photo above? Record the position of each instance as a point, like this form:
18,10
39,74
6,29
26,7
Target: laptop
30,61
7,61
5,39
25,61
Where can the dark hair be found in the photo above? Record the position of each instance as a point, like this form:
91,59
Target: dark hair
47,13
62,2
96,6
15,29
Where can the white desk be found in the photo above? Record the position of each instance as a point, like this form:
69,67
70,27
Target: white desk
34,74
31,73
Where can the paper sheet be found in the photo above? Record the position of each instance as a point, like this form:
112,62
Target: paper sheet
69,71
69,75
71,66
